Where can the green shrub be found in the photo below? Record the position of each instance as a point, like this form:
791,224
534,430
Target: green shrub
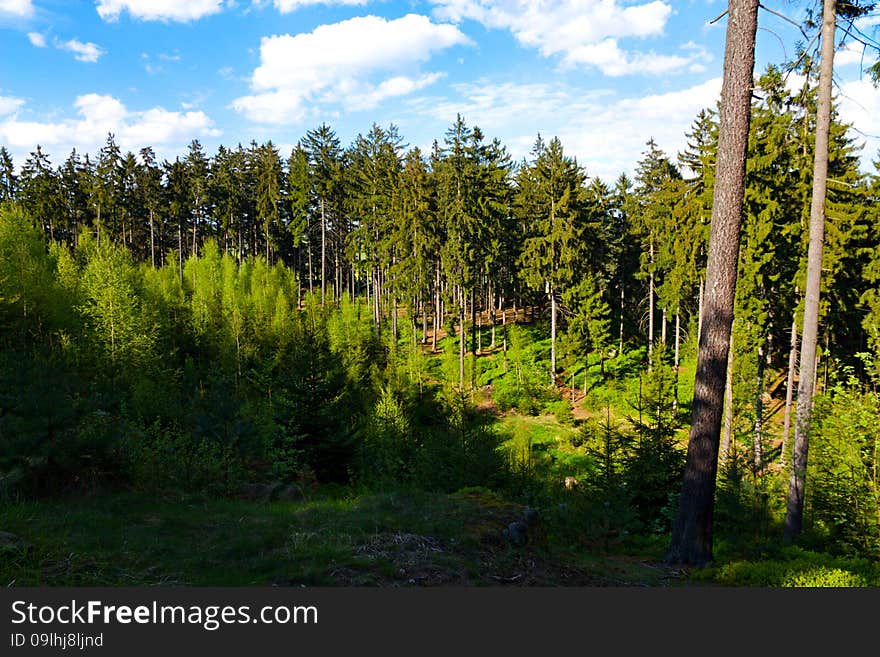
843,496
796,567
561,410
168,459
825,577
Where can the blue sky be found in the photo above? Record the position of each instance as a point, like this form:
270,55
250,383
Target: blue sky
603,75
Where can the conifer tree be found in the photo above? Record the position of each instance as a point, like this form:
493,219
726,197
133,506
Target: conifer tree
149,181
7,176
104,189
268,192
196,163
656,177
551,202
39,191
74,198
325,159
692,529
299,207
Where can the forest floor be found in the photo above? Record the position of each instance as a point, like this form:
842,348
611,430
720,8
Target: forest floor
388,540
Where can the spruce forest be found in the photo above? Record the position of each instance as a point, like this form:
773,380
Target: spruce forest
368,364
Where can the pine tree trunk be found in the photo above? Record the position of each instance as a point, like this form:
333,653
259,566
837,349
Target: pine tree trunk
692,531
394,323
700,313
377,301
437,315
728,405
651,306
311,270
337,277
461,340
797,481
474,338
180,251
663,328
552,337
620,336
789,394
759,412
368,283
323,255
424,323
493,318
676,363
152,242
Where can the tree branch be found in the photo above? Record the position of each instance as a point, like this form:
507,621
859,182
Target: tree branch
785,18
718,17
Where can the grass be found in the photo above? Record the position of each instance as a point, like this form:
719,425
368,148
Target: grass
544,446
393,539
403,538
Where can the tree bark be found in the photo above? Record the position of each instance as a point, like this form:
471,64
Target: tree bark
437,315
552,337
676,362
651,306
152,242
474,334
311,272
179,252
700,313
692,530
663,328
759,412
323,254
461,340
797,481
620,333
728,405
789,394
492,316
424,323
394,323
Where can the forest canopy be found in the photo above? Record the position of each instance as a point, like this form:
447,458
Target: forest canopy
326,314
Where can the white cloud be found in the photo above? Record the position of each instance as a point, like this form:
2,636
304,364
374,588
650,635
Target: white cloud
859,104
9,105
853,54
159,10
866,22
96,116
579,32
83,52
37,40
153,68
614,62
287,6
396,86
606,133
22,8
356,63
